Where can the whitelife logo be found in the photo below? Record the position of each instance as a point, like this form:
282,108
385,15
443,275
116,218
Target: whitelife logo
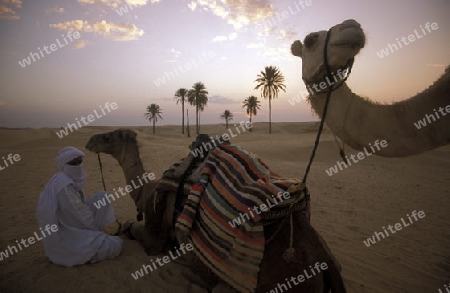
411,38
90,118
52,47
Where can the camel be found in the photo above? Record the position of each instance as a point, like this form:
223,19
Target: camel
157,231
359,121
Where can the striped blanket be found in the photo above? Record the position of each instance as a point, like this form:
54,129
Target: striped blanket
224,211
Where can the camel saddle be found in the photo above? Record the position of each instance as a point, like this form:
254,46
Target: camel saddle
231,195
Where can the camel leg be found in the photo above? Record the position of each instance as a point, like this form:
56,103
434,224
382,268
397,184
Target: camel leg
310,248
332,276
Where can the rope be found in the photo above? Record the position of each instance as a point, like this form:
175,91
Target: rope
291,209
341,149
325,109
104,188
101,170
139,215
289,254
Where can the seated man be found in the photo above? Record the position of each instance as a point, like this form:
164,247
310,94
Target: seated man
80,238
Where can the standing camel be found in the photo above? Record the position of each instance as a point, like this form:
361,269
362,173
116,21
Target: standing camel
359,121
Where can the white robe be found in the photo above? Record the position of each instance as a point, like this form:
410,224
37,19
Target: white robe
80,237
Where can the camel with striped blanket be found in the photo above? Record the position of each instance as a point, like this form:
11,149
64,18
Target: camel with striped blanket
158,201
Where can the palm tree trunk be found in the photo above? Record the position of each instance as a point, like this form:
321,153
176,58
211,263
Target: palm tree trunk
226,123
188,127
196,117
153,126
270,114
182,115
251,122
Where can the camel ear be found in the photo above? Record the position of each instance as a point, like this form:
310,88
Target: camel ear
296,48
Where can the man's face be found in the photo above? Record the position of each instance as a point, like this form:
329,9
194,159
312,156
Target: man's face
76,161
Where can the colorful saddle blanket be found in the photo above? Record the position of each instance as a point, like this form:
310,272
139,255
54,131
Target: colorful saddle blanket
224,211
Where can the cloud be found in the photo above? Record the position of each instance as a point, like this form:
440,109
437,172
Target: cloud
238,13
74,25
3,103
109,30
436,65
117,3
255,45
287,34
230,37
15,3
174,52
220,38
80,44
7,13
192,6
217,99
54,10
276,53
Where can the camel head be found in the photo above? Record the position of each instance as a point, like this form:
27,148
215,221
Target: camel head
345,41
111,143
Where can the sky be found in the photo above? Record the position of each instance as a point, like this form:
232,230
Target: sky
138,52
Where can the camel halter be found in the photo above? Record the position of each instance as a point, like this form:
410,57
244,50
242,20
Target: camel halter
101,170
104,188
289,254
139,215
349,65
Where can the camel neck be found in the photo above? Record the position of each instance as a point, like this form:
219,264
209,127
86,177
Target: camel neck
359,121
132,167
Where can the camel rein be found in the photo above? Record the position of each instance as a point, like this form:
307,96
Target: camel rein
289,254
139,215
349,65
101,170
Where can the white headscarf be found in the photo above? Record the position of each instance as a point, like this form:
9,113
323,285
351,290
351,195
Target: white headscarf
67,154
47,205
76,173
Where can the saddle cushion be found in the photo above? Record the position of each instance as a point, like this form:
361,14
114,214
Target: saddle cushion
224,210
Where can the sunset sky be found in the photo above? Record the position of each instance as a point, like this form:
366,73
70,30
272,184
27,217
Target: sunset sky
223,43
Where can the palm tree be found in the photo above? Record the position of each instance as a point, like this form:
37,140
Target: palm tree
227,115
252,104
197,96
180,96
188,127
153,114
271,82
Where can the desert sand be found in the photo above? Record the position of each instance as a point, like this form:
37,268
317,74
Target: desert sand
347,208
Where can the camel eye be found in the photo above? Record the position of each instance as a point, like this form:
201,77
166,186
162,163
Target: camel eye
310,40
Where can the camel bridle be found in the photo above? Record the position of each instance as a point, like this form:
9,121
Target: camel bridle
331,89
289,254
139,215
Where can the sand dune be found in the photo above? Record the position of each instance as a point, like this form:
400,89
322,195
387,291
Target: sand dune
348,207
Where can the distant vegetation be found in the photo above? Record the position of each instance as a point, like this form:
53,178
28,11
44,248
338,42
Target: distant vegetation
152,114
269,82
